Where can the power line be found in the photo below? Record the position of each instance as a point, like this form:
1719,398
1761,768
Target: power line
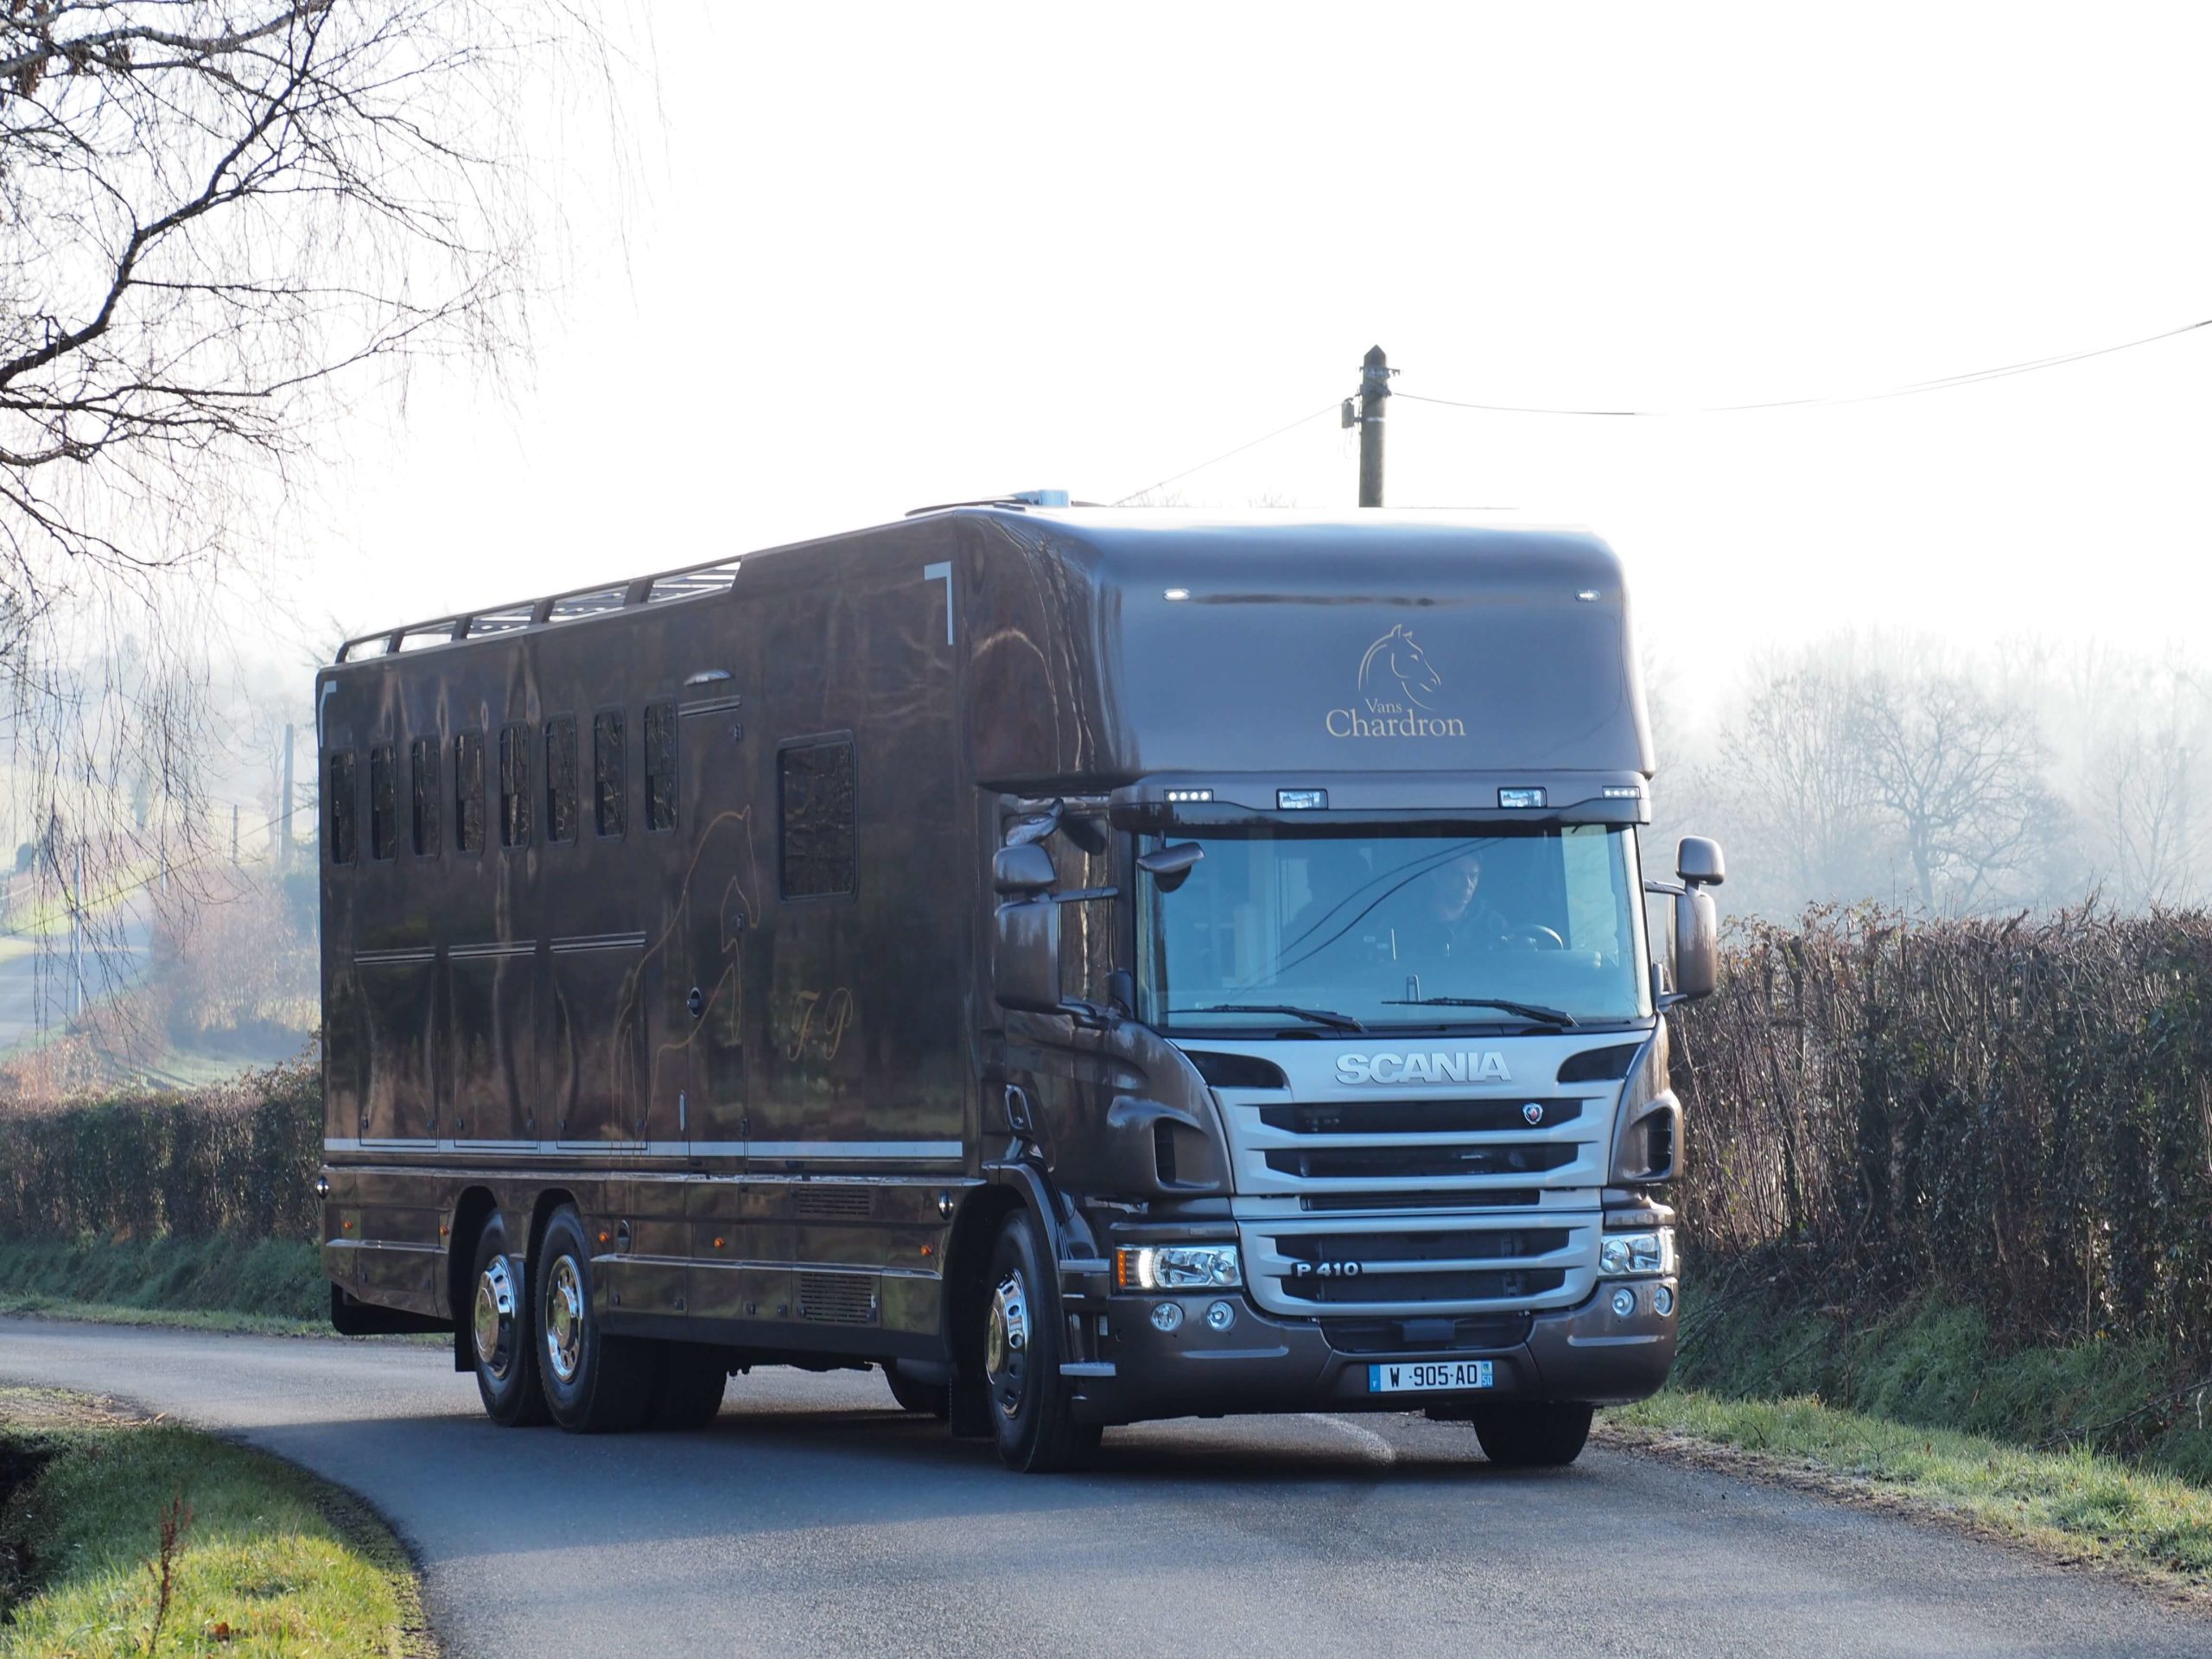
1175,477
1970,377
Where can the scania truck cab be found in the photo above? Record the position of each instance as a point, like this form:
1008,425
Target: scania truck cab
1389,1019
1094,964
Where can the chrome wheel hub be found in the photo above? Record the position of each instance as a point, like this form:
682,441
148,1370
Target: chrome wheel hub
494,1318
1006,1343
564,1318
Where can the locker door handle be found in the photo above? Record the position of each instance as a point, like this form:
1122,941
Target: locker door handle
697,1002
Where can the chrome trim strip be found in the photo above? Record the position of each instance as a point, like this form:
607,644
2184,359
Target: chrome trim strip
400,953
599,942
495,947
795,1151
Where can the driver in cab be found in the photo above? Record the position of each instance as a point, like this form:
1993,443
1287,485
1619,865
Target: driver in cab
1441,913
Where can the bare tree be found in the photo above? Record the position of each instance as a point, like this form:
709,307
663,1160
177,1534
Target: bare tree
1957,774
223,218
1792,783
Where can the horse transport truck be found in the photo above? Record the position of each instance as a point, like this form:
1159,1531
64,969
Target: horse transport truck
1093,964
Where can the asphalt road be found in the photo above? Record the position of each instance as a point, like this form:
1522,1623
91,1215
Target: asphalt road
813,1518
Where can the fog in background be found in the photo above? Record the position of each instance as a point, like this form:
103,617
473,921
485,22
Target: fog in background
1940,651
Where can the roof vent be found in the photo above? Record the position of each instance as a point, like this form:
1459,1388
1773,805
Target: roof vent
1040,498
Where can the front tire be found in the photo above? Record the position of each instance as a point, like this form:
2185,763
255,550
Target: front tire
1546,1434
1032,1416
593,1383
502,1332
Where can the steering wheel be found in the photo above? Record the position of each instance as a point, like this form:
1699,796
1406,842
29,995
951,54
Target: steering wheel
1537,936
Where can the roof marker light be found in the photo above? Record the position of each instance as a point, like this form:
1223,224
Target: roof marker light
1624,791
1176,593
1588,594
1178,795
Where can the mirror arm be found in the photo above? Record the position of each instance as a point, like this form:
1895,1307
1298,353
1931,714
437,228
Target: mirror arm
1082,895
1669,889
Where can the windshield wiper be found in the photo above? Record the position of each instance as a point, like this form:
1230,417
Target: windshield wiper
1527,1010
1328,1017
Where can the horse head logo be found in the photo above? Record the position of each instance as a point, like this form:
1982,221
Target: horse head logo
1395,657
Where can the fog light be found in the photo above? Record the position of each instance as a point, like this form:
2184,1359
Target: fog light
1662,1301
1623,1302
1220,1317
1167,1316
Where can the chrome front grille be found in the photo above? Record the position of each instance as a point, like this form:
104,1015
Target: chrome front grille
1385,1145
1442,1264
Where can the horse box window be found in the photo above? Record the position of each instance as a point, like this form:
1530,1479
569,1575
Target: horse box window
468,793
814,793
383,803
341,807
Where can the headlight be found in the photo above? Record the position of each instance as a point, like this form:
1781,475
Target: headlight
1625,1255
1178,1267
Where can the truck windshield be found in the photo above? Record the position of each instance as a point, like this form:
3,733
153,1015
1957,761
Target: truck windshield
1275,928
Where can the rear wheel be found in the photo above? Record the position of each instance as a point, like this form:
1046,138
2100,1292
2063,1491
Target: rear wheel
1545,1434
923,1399
502,1333
593,1383
1032,1416
688,1386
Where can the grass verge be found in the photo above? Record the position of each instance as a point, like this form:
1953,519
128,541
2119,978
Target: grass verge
2076,1506
126,1537
221,1283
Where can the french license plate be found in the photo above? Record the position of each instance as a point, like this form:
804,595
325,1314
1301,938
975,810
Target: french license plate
1421,1376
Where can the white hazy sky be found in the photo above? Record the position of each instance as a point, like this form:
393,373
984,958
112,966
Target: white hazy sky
883,256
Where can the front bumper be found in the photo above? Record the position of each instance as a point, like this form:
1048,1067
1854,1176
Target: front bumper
1265,1363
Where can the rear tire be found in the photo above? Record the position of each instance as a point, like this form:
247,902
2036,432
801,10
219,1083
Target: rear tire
593,1383
923,1399
687,1387
502,1332
1543,1434
1031,1411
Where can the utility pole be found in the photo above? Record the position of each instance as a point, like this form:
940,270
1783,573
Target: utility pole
284,811
1374,387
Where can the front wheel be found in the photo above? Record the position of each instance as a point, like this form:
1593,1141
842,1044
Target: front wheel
1547,1435
1032,1416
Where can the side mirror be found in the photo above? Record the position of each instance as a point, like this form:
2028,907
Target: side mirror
1697,942
1026,953
1022,872
1698,862
1171,865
